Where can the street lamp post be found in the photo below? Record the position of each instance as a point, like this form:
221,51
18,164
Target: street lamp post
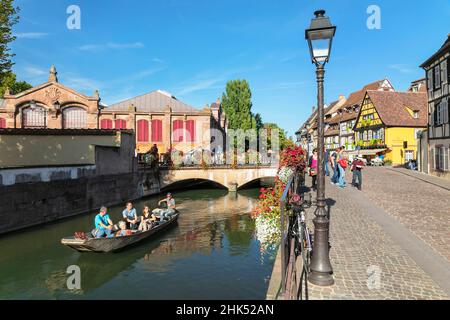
320,36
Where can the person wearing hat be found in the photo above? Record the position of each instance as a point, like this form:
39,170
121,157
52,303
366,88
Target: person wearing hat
171,207
357,166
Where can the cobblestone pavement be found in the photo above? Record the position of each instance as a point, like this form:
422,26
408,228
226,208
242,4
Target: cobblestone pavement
422,207
362,251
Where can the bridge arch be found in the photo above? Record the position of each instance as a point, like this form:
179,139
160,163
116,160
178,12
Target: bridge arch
260,181
231,178
190,183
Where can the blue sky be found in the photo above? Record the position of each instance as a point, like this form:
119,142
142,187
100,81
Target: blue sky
192,47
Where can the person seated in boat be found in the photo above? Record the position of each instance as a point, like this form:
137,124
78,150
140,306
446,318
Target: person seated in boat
123,230
130,216
171,207
103,224
147,219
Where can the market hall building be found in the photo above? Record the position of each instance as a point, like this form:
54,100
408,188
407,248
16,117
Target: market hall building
156,117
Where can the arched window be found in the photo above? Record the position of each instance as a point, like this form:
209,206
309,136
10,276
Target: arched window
177,131
2,123
106,124
121,124
190,130
142,131
34,117
74,118
156,130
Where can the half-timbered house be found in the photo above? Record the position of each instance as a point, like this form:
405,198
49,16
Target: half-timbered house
438,80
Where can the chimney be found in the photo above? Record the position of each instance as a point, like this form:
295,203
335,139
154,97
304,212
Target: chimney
341,97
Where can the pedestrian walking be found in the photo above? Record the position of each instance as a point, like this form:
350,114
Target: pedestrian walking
357,166
342,165
312,163
334,166
326,160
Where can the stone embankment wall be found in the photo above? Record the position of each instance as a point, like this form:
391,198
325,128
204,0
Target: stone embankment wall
34,195
28,204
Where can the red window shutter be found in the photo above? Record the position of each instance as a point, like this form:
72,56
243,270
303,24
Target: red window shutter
156,130
143,130
106,124
2,123
177,131
190,130
121,124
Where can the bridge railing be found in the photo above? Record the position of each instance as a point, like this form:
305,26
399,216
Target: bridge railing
165,166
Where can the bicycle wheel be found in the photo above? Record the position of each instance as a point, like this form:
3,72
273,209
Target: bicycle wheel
304,252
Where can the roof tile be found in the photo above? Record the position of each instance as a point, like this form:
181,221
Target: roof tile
391,107
155,101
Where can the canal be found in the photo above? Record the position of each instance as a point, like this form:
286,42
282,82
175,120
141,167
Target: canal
211,253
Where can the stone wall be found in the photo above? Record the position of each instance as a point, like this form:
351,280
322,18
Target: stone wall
49,155
29,204
30,196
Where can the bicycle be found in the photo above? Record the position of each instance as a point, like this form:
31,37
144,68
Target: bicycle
302,243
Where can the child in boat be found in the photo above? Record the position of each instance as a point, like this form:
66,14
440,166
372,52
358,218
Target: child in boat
123,230
147,219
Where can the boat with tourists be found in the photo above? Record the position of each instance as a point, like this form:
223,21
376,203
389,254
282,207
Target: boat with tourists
89,243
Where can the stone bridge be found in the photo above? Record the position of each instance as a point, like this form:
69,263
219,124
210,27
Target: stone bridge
230,178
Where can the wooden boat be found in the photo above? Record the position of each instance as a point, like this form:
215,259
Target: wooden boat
92,244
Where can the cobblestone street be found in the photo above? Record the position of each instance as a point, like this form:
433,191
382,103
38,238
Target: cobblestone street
397,228
422,207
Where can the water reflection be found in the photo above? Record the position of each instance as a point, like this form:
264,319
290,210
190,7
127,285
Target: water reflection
210,254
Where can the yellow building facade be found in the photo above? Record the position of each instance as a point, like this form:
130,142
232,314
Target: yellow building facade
388,123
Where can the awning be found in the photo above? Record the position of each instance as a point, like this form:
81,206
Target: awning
368,152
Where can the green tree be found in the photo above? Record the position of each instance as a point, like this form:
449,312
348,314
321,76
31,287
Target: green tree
284,140
15,87
8,18
258,123
236,101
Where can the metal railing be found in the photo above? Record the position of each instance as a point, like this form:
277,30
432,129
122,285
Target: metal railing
287,245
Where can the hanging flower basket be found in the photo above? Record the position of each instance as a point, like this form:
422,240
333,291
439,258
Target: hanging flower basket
284,174
267,211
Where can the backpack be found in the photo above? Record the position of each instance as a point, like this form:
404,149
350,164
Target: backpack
343,163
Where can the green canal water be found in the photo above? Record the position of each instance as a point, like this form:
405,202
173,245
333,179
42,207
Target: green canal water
211,253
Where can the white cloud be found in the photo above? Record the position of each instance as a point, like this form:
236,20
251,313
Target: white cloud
111,46
210,79
31,71
283,86
82,84
30,35
199,85
157,60
403,68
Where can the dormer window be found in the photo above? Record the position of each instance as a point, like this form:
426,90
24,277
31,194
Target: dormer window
416,114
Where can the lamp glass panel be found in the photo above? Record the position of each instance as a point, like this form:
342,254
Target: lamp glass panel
321,49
